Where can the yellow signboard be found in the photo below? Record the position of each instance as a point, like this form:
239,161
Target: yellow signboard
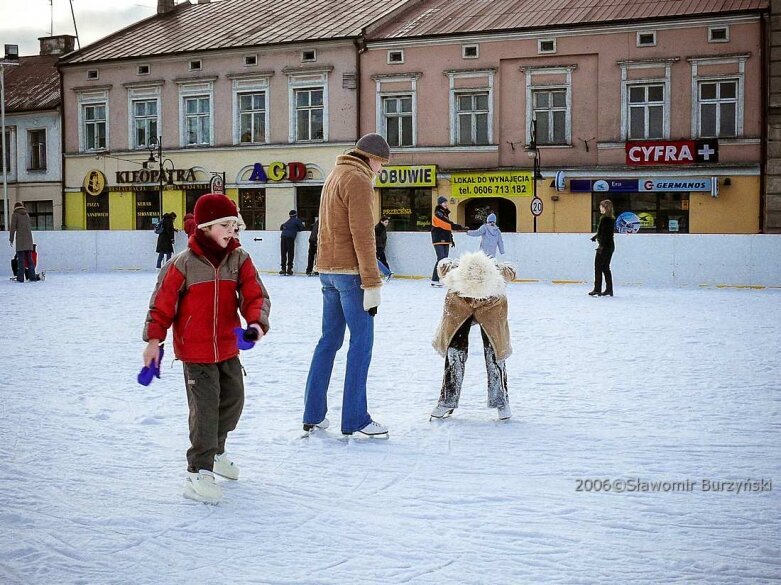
492,184
400,177
94,183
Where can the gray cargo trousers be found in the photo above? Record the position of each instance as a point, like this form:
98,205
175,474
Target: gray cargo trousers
215,395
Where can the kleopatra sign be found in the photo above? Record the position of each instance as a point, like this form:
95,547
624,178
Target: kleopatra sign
407,176
492,184
678,152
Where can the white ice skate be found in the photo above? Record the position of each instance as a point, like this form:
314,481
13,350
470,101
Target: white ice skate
224,467
322,425
436,284
441,412
373,430
202,487
504,412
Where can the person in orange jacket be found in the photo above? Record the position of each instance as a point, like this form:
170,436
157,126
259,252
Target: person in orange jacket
442,235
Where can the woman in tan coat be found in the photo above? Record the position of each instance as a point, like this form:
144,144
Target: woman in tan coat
476,295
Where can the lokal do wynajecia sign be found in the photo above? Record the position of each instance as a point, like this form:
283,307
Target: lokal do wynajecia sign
406,176
491,184
672,152
279,171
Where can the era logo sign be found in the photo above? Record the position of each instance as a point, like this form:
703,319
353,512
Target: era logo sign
679,152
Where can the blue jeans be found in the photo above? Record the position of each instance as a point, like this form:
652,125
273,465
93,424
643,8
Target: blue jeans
160,258
24,265
342,307
442,250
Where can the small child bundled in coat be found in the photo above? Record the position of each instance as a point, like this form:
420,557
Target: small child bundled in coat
200,293
490,236
476,295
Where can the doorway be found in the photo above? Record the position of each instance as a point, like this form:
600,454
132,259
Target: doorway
478,209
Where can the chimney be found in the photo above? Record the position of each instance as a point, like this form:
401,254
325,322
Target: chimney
164,6
57,45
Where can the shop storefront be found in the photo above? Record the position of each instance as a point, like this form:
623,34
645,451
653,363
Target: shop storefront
405,194
503,193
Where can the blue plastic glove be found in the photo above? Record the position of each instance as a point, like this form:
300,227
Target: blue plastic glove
246,338
148,373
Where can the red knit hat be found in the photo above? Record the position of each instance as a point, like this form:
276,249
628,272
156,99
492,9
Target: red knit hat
214,208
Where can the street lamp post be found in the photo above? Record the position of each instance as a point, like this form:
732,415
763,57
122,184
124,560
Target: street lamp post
534,154
156,144
11,58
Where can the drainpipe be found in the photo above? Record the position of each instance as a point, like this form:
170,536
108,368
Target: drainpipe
62,149
360,47
765,118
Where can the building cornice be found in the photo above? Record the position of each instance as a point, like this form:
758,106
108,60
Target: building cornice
101,87
147,83
253,75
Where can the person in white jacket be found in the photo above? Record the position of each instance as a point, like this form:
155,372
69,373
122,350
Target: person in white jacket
490,236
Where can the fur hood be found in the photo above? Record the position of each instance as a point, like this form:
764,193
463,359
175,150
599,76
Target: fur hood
475,276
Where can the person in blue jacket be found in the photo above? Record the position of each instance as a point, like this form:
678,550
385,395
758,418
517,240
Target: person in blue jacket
290,230
490,236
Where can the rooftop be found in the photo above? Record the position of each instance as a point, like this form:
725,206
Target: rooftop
450,17
237,23
32,85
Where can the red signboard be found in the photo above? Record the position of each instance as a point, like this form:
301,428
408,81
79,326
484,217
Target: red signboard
672,152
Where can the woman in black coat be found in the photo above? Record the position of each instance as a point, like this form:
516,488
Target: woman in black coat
165,241
604,236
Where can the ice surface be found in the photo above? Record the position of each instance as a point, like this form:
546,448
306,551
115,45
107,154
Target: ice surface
656,384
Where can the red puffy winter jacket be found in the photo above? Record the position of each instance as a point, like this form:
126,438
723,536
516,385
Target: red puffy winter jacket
202,303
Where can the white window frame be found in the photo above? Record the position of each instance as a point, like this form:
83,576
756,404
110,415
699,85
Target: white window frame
146,94
626,66
93,98
306,80
303,55
148,71
194,90
531,86
193,62
710,34
455,75
245,58
464,48
641,33
92,77
12,148
542,51
740,61
398,51
43,155
379,124
412,115
250,85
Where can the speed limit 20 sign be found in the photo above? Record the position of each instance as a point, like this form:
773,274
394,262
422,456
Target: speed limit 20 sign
536,207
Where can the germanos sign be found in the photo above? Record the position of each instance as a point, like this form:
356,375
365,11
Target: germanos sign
679,152
492,184
407,176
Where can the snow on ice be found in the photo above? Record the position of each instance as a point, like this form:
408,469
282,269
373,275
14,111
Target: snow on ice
653,385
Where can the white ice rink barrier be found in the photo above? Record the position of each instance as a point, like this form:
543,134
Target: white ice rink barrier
644,259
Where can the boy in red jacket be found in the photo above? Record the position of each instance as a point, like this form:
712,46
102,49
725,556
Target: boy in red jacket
201,292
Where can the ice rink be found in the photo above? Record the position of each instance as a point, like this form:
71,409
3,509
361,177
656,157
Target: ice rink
655,385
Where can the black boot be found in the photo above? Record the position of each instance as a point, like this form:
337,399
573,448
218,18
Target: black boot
608,284
595,293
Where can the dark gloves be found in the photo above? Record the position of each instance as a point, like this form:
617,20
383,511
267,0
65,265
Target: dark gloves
594,239
149,373
372,311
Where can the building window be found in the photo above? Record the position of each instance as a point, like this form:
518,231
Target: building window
41,214
195,65
409,209
646,39
718,105
472,119
310,111
550,111
197,120
143,70
144,122
309,56
92,74
718,34
36,153
546,46
252,205
250,60
252,117
658,212
308,204
395,57
397,111
5,160
470,51
94,117
646,111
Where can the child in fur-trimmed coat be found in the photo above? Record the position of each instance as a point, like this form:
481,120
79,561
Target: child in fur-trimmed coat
476,295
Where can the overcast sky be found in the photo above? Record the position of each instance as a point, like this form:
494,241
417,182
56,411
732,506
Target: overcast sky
23,21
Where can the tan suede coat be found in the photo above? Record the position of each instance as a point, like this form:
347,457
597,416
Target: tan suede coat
483,280
345,241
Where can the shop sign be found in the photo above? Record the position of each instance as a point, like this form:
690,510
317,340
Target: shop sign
407,176
153,176
278,171
677,152
603,186
217,185
492,184
94,183
676,185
